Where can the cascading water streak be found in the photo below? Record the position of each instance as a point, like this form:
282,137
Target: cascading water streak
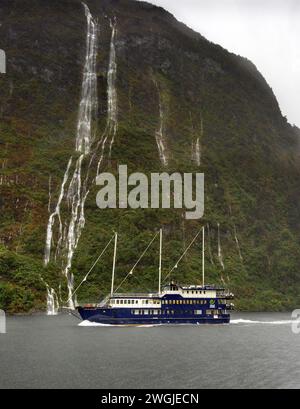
220,255
77,191
160,139
160,132
196,146
52,302
111,128
237,242
55,214
88,106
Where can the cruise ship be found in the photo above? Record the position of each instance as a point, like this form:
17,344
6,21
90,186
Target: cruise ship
171,304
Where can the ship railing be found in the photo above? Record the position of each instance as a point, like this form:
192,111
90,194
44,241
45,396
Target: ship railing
144,295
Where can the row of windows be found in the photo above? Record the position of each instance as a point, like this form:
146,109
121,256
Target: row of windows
170,302
194,292
135,301
176,312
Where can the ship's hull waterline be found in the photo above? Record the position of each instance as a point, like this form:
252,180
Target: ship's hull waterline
124,318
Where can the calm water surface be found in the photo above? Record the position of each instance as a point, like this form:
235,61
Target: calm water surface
255,351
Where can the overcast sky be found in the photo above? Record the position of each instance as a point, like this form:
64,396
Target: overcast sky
265,31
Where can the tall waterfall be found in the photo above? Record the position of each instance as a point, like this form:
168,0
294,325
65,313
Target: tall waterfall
88,106
76,194
112,98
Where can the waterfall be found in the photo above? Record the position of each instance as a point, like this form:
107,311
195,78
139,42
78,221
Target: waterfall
52,302
88,106
112,98
159,136
220,255
55,214
111,89
237,242
196,145
49,194
77,191
160,131
76,225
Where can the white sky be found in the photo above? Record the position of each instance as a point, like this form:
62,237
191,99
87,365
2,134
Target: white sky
265,31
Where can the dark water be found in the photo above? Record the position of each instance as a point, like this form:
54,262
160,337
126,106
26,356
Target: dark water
54,352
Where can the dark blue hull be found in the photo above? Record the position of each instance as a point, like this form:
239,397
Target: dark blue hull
121,317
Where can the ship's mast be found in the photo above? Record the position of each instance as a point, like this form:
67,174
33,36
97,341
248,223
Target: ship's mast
160,261
203,256
114,265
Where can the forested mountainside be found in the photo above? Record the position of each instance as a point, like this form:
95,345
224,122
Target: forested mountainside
94,85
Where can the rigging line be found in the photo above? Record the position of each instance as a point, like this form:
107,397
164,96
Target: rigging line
186,250
133,268
90,270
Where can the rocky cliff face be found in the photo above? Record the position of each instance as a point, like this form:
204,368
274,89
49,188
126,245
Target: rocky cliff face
90,87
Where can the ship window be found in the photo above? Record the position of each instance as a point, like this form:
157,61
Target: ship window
121,301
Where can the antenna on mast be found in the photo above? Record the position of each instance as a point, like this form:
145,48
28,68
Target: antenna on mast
160,261
114,265
203,256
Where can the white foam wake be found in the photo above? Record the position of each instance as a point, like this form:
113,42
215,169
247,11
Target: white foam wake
93,324
242,321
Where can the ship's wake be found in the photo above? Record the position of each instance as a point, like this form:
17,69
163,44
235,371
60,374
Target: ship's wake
252,322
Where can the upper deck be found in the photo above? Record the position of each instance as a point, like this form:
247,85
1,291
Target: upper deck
170,292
